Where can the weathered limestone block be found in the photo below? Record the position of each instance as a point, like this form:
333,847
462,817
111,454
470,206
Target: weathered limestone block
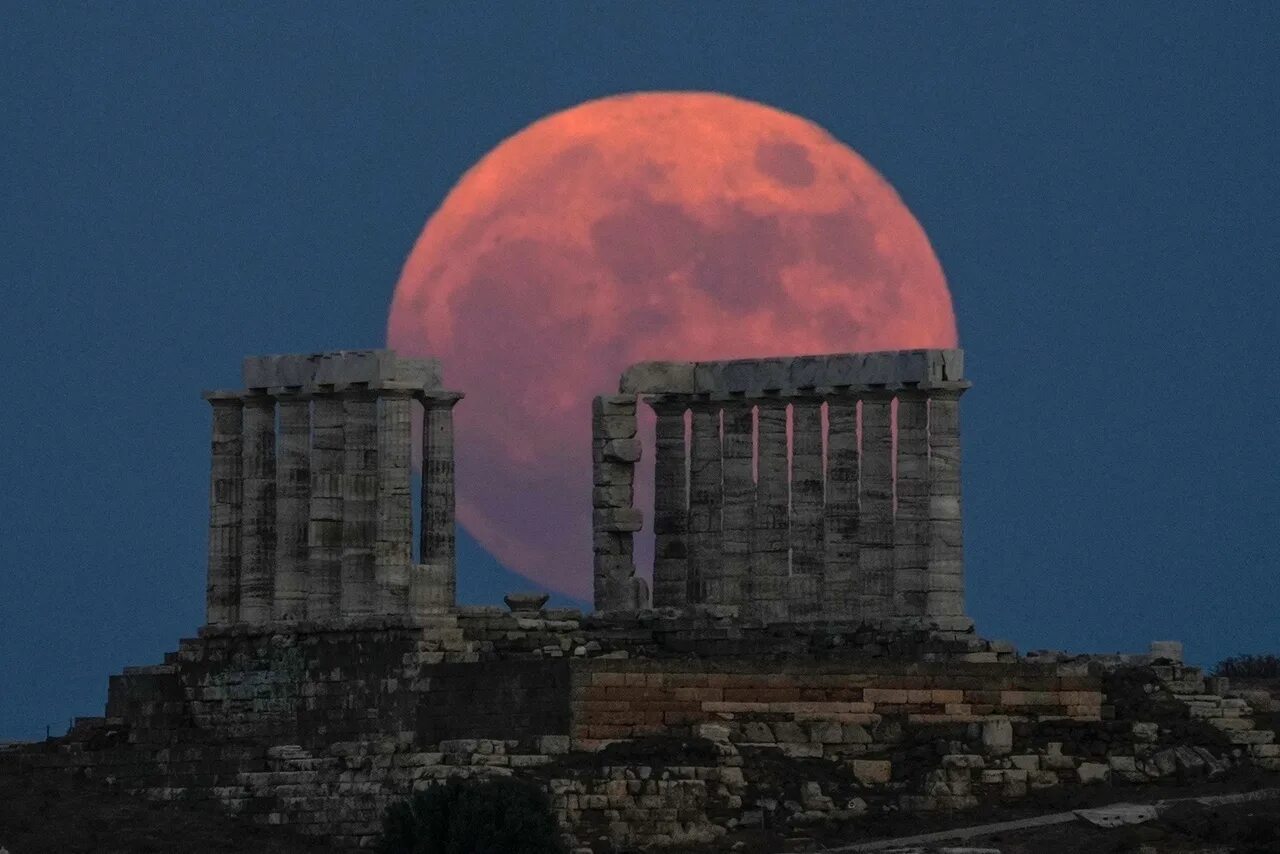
875,519
911,514
222,601
771,543
258,533
670,508
739,506
340,367
359,504
946,536
613,518
658,378
840,537
705,500
807,488
325,529
393,551
293,509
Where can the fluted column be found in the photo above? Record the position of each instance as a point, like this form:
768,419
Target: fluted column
359,503
840,574
670,507
324,538
258,532
911,510
875,515
434,582
393,551
770,544
226,492
705,501
946,534
293,494
737,453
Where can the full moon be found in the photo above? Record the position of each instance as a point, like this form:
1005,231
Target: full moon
663,225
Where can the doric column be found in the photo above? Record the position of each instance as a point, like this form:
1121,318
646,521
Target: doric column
293,500
393,552
705,497
875,508
911,509
737,454
226,492
670,507
769,551
807,488
324,539
840,575
258,531
359,503
946,534
437,533
614,520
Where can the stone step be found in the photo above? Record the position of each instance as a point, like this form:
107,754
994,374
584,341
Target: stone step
1251,736
1231,724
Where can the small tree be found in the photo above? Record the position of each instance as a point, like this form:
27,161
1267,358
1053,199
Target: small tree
498,815
1249,667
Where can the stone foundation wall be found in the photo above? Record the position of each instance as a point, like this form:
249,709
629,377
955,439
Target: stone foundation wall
816,709
325,729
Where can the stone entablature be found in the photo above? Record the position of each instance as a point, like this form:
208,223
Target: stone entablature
310,497
796,488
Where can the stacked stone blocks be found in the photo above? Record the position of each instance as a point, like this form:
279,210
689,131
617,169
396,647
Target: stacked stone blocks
310,501
851,519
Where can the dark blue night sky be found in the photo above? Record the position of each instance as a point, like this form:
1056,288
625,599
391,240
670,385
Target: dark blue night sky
181,184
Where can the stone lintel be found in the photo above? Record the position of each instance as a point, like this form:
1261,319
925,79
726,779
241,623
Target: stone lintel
338,367
888,369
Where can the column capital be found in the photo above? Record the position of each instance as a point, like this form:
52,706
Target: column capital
667,404
951,391
439,399
223,397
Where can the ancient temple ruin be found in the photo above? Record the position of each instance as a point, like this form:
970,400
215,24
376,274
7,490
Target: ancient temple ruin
783,489
805,655
311,511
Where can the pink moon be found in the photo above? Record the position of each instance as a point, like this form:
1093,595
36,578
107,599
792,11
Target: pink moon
663,225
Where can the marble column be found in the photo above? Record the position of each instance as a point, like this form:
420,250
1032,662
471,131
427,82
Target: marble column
359,503
840,538
293,510
324,536
737,516
670,507
614,518
807,488
705,501
875,508
911,508
436,530
258,531
946,534
226,492
770,560
393,551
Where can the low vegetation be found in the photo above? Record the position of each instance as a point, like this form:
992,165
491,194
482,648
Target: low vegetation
1249,667
500,815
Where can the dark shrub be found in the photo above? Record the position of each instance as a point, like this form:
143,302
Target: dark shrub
1249,667
500,815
